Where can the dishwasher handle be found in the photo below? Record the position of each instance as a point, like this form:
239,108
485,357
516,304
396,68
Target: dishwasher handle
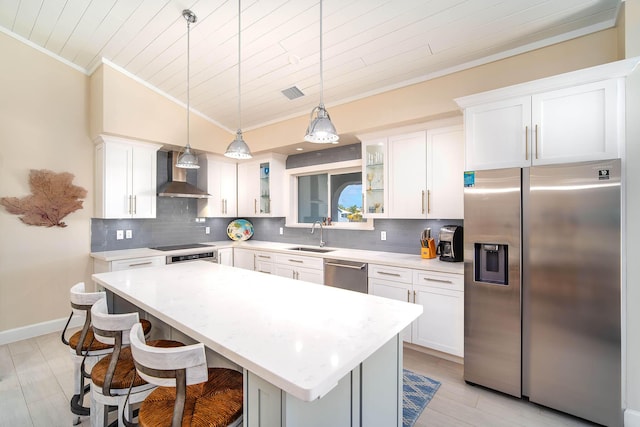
354,267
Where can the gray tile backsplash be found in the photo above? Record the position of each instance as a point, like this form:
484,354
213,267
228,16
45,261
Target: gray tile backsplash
402,235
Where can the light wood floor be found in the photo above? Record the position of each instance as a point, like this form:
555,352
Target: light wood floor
35,389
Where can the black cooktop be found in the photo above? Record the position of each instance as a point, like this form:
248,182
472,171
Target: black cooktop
185,246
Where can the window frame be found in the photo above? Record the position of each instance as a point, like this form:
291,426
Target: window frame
336,168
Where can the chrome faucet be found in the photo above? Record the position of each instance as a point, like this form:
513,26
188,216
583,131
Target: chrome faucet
313,227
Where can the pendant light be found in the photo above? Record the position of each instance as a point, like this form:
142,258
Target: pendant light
187,159
238,149
321,130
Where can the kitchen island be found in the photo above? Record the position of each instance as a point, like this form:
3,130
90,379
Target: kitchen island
311,355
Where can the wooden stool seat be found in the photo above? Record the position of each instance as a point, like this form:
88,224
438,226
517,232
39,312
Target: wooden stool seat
215,403
97,345
125,368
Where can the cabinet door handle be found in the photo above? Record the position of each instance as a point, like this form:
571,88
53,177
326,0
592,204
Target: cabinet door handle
255,206
265,272
526,142
536,142
129,205
384,273
226,208
296,260
264,256
437,280
414,297
428,201
422,203
408,295
140,263
135,204
221,205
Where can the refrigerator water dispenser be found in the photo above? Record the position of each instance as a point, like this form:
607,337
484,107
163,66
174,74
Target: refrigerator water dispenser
491,263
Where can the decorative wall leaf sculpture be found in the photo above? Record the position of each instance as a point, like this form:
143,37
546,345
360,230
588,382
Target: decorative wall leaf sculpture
53,197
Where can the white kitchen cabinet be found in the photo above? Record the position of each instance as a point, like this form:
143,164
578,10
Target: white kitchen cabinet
308,269
415,175
260,184
392,282
125,179
250,259
218,177
445,173
408,175
568,124
100,266
263,262
225,256
394,290
441,325
243,258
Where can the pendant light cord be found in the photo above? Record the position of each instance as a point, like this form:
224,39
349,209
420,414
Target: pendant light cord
321,76
188,73
239,62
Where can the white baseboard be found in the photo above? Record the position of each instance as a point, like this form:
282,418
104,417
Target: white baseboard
631,418
30,331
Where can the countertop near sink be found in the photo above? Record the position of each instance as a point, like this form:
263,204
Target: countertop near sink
372,257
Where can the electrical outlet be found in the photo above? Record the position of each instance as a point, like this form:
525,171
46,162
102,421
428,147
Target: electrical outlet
207,230
281,231
128,234
119,234
383,235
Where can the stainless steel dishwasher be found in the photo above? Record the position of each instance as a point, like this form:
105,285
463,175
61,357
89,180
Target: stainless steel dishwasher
346,275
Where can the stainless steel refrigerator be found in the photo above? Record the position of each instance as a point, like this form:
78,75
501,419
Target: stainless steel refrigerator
542,285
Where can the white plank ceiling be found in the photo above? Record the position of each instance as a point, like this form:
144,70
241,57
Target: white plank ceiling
369,45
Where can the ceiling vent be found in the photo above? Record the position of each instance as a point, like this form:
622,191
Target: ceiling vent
292,93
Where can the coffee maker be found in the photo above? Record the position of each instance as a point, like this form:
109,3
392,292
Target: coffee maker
450,245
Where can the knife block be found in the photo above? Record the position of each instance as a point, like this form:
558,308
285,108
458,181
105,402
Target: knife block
429,251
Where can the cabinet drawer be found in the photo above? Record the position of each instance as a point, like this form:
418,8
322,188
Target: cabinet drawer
127,264
395,274
300,261
454,282
264,256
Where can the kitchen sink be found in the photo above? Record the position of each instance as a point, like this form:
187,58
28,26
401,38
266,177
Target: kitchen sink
303,249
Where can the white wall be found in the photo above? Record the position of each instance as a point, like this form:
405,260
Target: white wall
43,125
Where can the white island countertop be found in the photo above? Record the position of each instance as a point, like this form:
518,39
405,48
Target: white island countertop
299,336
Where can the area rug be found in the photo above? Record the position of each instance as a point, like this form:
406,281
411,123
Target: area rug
417,392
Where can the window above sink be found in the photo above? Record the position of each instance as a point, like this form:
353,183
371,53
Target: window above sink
324,191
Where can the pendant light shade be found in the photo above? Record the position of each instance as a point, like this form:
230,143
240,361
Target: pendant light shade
187,159
321,130
238,149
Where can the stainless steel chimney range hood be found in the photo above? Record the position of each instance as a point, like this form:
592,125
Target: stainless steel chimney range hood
177,186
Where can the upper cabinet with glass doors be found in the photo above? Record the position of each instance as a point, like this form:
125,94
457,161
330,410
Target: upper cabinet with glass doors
260,181
572,117
374,178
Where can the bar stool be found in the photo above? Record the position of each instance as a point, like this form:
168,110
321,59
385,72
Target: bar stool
112,375
85,349
189,393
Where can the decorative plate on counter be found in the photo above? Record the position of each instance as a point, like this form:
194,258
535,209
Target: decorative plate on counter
240,229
